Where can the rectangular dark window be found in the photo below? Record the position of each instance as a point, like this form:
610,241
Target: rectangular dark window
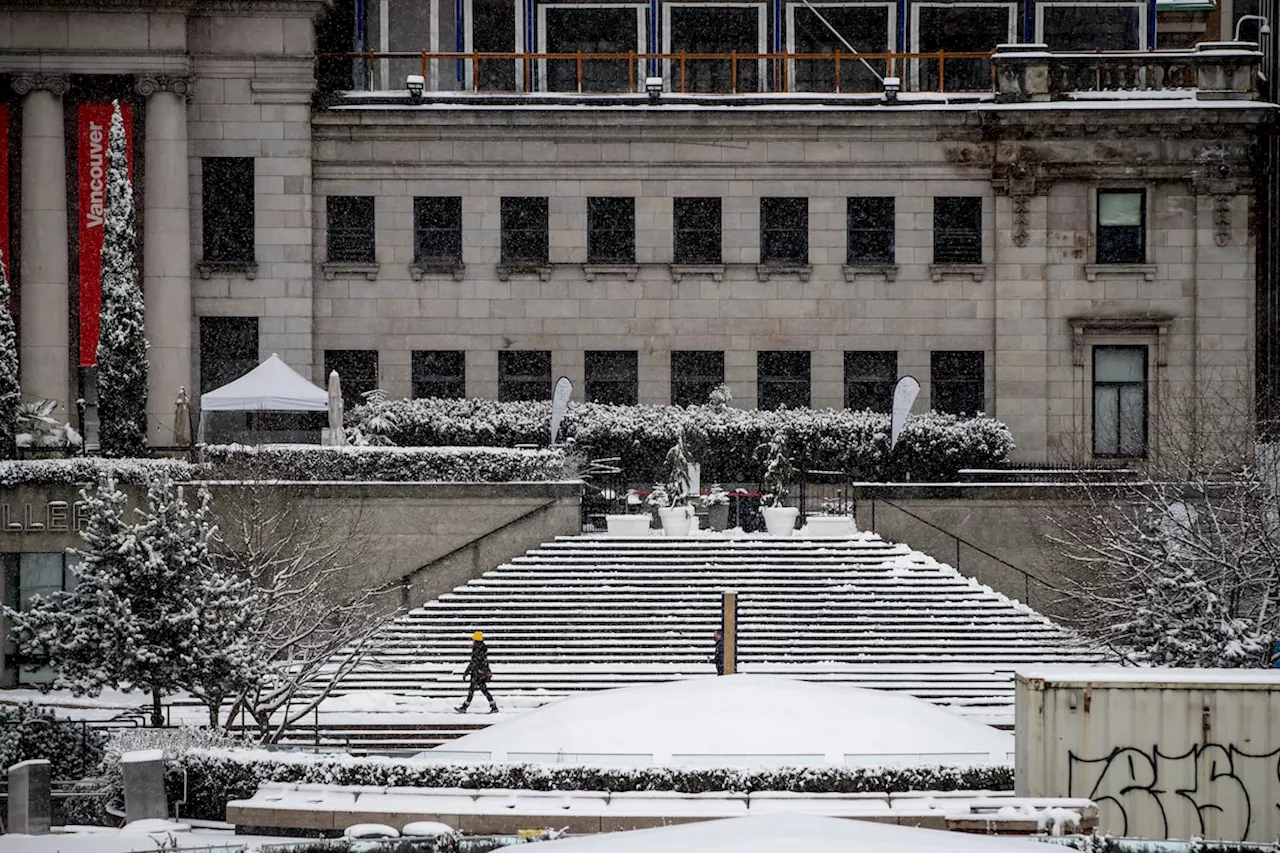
782,379
697,230
870,223
1093,27
357,371
228,349
869,379
437,230
1119,401
1122,226
26,576
524,230
524,375
957,230
611,230
612,376
439,373
350,229
784,230
958,382
227,209
694,373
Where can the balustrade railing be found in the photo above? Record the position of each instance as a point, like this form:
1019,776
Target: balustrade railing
1014,72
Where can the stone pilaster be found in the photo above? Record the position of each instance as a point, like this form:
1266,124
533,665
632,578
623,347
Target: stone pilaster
166,252
44,341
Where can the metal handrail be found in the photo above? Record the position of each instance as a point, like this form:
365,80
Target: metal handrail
635,85
1027,577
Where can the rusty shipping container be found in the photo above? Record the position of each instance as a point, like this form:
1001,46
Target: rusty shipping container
1165,753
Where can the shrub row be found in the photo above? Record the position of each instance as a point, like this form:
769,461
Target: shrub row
85,469
216,776
932,447
28,731
439,464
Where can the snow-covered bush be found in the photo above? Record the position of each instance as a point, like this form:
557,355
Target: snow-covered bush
216,776
932,447
28,731
81,470
398,464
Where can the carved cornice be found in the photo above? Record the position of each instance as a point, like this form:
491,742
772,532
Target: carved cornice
147,85
58,84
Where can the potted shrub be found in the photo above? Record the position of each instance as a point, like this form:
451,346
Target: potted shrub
632,524
779,519
716,502
674,509
836,520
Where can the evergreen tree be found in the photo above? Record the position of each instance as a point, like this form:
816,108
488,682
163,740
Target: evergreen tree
122,345
148,610
10,392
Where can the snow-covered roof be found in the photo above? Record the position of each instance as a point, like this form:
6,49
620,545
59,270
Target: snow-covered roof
740,719
771,833
1152,676
272,386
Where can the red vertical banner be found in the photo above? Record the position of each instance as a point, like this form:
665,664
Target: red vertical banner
93,134
4,189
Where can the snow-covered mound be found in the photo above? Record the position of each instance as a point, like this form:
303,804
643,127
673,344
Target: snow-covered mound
740,720
772,833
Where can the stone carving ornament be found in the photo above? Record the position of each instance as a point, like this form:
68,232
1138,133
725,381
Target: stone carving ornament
58,84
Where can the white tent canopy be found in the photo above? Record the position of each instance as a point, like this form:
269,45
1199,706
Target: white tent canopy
272,386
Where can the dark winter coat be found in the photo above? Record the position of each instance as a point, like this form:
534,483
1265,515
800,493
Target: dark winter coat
719,656
478,669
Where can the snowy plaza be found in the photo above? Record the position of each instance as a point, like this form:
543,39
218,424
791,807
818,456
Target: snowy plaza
643,425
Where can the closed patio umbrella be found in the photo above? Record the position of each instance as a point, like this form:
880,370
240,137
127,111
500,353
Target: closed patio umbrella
337,437
182,419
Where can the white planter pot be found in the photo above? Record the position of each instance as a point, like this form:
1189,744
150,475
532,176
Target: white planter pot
676,521
780,520
628,526
829,526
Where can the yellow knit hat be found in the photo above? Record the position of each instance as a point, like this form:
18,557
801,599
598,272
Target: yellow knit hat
477,636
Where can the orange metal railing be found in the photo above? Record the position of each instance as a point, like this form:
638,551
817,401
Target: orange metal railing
773,72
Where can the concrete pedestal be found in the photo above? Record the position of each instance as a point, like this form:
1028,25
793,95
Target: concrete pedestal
144,795
30,797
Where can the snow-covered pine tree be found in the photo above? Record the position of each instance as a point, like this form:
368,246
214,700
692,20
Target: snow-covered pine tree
136,619
122,345
10,392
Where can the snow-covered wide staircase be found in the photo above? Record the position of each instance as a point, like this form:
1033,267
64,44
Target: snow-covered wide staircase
589,612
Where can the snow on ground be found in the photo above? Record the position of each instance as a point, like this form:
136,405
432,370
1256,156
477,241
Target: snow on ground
740,719
773,833
141,837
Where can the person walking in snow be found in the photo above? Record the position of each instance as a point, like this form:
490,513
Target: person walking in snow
478,673
719,655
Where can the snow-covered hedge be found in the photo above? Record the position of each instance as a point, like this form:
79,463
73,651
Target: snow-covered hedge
85,469
932,447
445,464
216,776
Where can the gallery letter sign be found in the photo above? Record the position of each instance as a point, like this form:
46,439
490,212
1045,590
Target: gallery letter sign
43,517
92,132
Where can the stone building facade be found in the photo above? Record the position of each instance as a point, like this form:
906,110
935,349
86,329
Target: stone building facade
1067,263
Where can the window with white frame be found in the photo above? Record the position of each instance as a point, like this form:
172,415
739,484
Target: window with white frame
610,28
959,28
1120,401
868,28
1090,27
719,28
1122,226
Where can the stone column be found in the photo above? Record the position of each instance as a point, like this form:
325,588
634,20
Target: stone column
45,339
166,250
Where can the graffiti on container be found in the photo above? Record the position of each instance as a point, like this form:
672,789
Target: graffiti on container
1224,790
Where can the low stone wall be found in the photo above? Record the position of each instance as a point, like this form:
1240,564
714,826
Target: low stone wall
1013,523
392,533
